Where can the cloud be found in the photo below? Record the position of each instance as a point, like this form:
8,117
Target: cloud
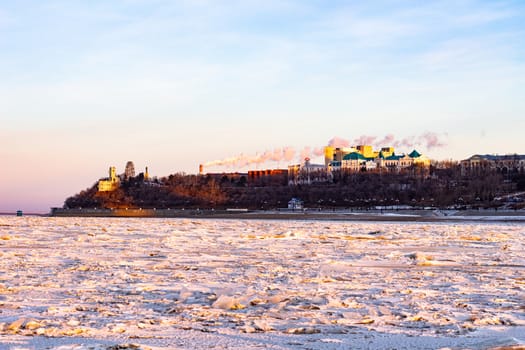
364,29
483,16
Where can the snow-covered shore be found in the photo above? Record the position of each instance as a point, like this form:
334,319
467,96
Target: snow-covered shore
371,214
79,283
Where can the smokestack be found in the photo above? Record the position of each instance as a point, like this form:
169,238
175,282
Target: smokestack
201,169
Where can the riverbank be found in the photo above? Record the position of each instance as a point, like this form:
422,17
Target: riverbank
430,215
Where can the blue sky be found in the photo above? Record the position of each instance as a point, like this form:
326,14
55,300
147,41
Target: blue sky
171,84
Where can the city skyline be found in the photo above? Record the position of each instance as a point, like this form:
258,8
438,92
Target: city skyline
171,85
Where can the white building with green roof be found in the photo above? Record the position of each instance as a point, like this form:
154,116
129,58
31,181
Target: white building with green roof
353,159
356,161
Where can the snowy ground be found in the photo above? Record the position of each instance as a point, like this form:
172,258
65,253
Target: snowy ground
88,283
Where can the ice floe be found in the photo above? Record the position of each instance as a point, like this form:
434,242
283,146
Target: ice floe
91,283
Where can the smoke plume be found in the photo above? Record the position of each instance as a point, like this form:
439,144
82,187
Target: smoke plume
431,140
305,153
365,140
276,155
387,141
427,140
338,142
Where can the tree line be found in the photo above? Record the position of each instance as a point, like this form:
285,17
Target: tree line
441,185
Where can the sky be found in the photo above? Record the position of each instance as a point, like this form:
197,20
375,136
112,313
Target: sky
170,84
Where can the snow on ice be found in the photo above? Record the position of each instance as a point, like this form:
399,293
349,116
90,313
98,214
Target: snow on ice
92,283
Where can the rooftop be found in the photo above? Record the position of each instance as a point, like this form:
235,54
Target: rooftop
355,156
414,154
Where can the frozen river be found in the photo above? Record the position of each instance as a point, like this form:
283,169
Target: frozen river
91,283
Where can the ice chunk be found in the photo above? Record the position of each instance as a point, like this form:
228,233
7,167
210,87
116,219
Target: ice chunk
227,303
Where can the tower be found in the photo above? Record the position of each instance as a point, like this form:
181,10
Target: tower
113,174
111,183
130,170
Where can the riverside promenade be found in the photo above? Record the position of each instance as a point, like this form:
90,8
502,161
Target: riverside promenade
428,215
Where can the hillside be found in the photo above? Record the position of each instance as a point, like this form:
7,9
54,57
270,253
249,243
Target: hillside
442,185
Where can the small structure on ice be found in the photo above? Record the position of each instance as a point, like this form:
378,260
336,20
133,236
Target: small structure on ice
295,203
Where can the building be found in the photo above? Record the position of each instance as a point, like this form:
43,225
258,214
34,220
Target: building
419,159
336,154
396,163
386,152
295,204
307,173
267,177
111,183
356,161
130,170
478,163
364,158
367,151
353,159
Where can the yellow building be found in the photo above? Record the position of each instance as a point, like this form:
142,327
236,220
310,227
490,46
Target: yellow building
333,154
387,151
419,159
328,155
367,151
111,183
336,154
397,162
